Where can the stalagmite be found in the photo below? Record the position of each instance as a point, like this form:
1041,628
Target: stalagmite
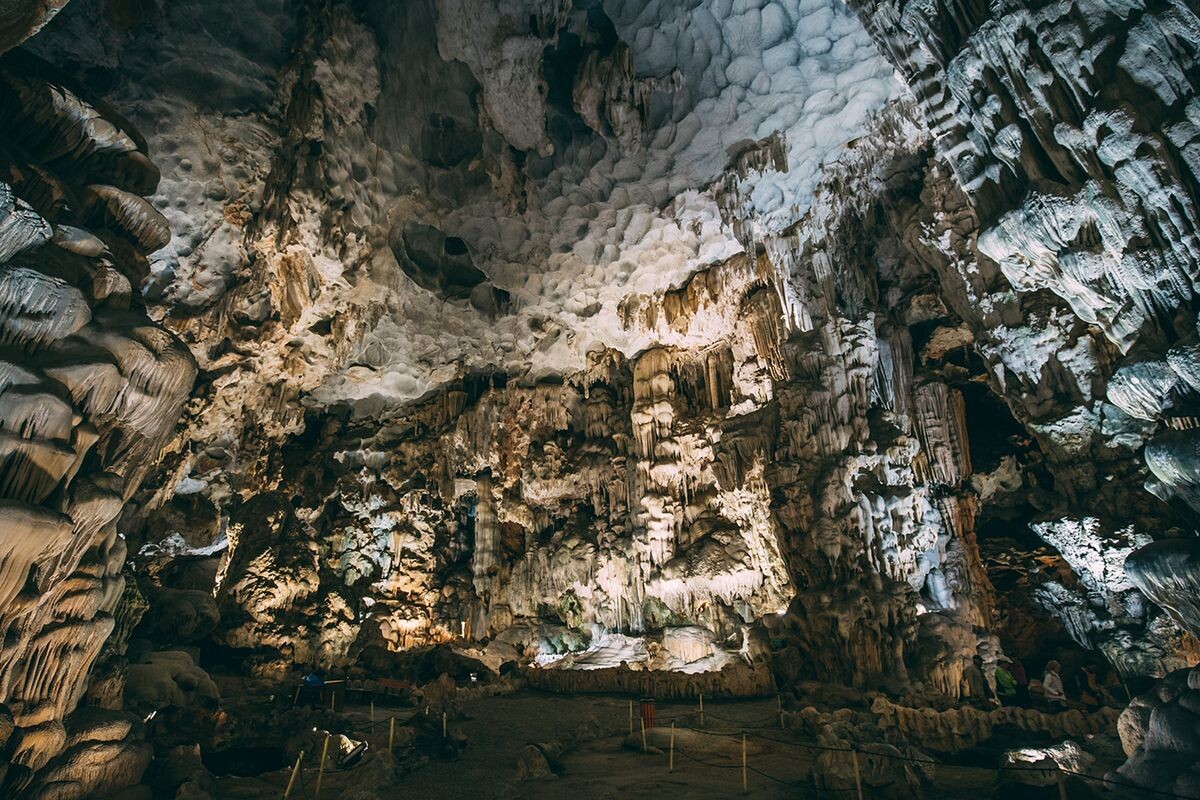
485,555
842,354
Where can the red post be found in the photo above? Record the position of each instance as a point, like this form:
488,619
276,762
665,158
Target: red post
646,708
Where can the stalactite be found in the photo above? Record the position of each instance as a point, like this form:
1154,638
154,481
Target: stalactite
485,554
941,423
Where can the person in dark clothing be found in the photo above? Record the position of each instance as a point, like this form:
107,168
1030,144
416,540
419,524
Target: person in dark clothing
309,692
989,694
978,689
1018,672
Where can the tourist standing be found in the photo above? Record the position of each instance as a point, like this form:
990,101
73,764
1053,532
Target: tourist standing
1053,685
1018,672
1006,684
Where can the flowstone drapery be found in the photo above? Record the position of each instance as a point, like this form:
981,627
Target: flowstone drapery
90,391
765,344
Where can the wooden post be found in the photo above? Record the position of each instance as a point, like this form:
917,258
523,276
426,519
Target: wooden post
643,721
702,709
744,784
1062,787
631,718
391,733
292,781
671,758
857,773
372,711
321,767
443,724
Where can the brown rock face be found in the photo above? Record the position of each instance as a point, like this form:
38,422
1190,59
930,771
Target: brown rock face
20,19
90,389
606,338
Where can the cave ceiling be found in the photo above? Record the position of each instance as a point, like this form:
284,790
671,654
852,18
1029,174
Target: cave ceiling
835,351
469,191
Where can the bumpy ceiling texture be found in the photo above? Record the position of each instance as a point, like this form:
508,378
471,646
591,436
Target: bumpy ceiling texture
484,189
834,354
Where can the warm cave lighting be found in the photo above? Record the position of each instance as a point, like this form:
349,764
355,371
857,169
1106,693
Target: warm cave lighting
780,398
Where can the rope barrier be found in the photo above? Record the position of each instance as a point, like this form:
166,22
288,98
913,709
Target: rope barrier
744,727
903,758
755,770
769,722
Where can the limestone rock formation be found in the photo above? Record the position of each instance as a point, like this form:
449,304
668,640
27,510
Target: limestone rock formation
632,346
92,389
20,19
1158,732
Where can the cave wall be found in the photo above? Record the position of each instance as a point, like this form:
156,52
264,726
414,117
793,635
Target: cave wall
1071,128
90,393
814,444
531,354
907,289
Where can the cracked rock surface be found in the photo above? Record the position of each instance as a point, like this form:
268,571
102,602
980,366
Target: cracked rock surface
705,345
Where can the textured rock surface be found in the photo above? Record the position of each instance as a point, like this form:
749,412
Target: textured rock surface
1158,732
343,331
610,338
20,19
91,391
1071,126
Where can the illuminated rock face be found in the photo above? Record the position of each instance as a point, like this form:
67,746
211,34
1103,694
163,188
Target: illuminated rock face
765,348
781,467
1071,142
493,506
609,332
628,207
1076,169
1071,126
1168,572
90,391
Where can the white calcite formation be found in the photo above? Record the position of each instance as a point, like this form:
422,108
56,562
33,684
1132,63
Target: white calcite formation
1071,167
779,457
1076,147
723,345
326,189
632,207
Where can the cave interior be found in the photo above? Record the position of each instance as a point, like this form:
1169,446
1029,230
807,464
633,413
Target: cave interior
599,398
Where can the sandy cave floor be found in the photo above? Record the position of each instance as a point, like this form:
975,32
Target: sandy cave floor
601,766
